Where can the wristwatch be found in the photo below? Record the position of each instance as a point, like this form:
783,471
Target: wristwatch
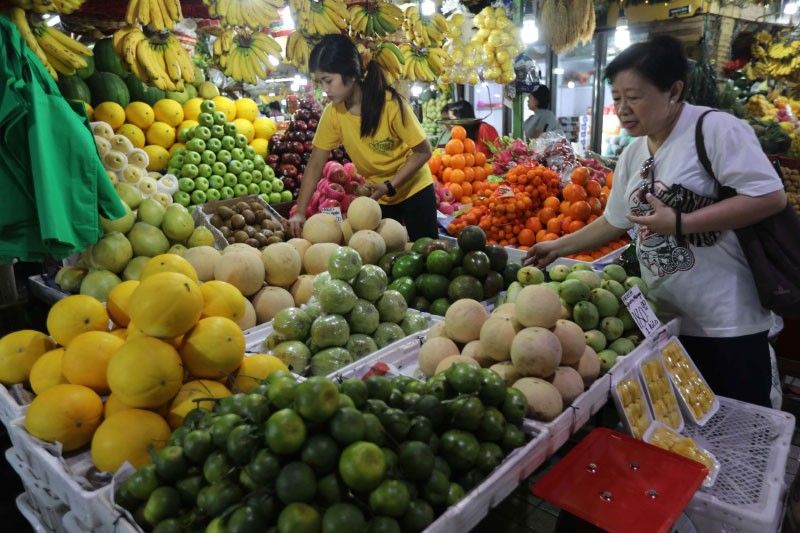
390,190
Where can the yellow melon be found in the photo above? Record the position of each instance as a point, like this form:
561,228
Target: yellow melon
114,405
213,348
46,371
145,372
74,315
225,105
135,333
128,436
220,298
18,353
118,300
166,305
122,333
65,413
86,359
254,369
168,263
247,109
184,400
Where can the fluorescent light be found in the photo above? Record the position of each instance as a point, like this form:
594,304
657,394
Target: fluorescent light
570,85
622,37
295,87
53,20
790,8
427,8
530,32
274,61
416,90
286,17
299,81
558,71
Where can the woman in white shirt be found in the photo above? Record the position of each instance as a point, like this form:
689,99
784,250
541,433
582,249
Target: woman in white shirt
543,120
688,252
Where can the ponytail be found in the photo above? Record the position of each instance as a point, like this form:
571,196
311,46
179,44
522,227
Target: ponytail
373,99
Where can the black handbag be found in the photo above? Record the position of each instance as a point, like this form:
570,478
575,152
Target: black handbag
770,246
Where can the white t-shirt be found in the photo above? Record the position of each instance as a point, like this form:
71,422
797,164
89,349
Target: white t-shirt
706,281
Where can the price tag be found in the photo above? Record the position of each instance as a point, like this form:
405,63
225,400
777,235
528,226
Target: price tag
504,191
639,309
335,211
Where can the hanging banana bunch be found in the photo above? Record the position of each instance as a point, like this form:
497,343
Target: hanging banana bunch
298,50
375,19
64,54
49,6
250,13
423,64
391,59
249,56
17,16
157,59
158,14
424,31
320,17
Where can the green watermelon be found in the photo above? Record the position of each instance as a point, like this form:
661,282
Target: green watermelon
106,59
74,88
88,70
136,88
108,87
153,95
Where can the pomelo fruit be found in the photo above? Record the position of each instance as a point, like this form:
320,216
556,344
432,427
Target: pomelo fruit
99,283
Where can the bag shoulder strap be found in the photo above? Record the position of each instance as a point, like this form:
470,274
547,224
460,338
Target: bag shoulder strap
699,141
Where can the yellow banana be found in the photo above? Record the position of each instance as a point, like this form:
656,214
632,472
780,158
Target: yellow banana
69,43
21,22
171,63
130,45
53,49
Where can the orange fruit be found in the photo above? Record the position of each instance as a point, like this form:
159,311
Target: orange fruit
545,214
457,161
580,176
580,210
469,159
469,146
480,158
458,133
573,192
469,174
457,176
595,205
435,164
554,226
526,237
447,174
479,173
574,226
467,187
552,202
454,146
534,224
455,189
549,237
564,207
593,188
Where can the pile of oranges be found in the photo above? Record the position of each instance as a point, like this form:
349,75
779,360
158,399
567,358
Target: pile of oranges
461,167
596,254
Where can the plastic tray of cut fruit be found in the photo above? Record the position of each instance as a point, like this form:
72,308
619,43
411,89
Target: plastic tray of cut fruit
666,438
698,400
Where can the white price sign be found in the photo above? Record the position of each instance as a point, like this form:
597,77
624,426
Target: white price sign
641,313
335,211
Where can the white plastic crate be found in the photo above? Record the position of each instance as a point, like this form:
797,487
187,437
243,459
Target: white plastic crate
13,402
752,445
38,523
44,292
73,479
46,508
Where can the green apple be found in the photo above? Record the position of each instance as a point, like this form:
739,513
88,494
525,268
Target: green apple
245,177
216,182
253,188
228,143
226,192
220,118
215,145
189,171
265,186
274,197
201,184
224,157
208,156
268,172
235,167
264,197
185,134
248,164
213,195
196,145
277,185
258,162
186,184
203,170
230,179
206,120
286,196
239,190
217,131
183,198
202,133
237,154
193,158
249,153
198,197
219,168
241,141
208,106
230,129
257,175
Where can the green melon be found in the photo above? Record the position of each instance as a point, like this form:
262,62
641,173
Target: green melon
108,87
106,59
136,88
74,88
153,95
88,70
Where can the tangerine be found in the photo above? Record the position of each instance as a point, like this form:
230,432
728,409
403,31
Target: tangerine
480,158
469,146
595,205
573,192
533,224
545,214
457,176
469,159
458,161
593,188
554,226
580,176
552,202
458,133
549,237
454,146
526,237
574,226
580,210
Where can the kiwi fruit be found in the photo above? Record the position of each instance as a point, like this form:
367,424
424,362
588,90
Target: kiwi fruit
225,230
217,220
249,216
252,242
240,236
224,212
237,221
249,230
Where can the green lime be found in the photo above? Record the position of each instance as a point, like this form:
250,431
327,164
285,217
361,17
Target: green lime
330,489
170,525
299,518
317,398
170,463
431,408
177,436
197,444
439,306
346,401
493,388
464,378
142,482
246,519
466,413
373,430
231,404
362,466
223,426
347,426
355,389
188,488
493,425
418,516
435,489
442,466
392,463
296,483
439,388
217,467
374,406
266,503
343,518
193,417
264,467
513,438
391,498
420,429
256,408
379,388
282,391
416,460
396,399
280,375
439,262
285,432
470,479
409,399
514,406
163,503
460,449
490,456
321,453
383,524
247,481
395,422
454,494
242,443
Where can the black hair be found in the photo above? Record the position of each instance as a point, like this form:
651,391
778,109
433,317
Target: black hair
275,105
542,95
661,60
336,53
463,109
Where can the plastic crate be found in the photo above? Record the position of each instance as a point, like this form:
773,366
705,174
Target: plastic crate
42,291
46,508
38,522
74,479
14,401
752,445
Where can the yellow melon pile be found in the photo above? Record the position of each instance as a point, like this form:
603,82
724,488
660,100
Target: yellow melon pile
120,376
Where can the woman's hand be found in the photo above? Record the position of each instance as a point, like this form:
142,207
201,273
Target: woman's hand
379,190
543,254
296,224
661,221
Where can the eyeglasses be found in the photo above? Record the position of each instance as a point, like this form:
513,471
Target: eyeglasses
648,179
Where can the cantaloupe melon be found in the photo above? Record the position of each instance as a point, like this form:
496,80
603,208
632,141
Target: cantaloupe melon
301,245
220,298
302,289
538,306
322,227
451,360
463,320
316,258
240,247
364,213
269,301
572,339
473,350
214,348
347,231
243,270
588,366
369,245
437,330
496,336
282,264
394,234
433,352
544,400
507,371
568,382
248,319
203,259
536,352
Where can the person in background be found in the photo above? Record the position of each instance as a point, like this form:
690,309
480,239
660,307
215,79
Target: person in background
688,251
274,108
482,133
378,129
543,120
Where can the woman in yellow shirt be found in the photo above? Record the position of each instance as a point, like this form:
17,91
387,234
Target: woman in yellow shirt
378,129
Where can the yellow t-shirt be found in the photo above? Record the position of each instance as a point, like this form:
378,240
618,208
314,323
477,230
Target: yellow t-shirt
380,156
